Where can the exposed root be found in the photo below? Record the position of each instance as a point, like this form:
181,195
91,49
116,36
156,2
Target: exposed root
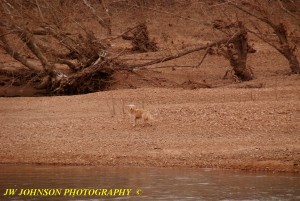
17,77
91,79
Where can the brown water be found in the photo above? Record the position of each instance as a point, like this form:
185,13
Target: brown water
146,183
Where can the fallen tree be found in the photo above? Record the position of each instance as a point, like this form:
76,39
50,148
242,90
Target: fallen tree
91,68
94,78
46,44
234,48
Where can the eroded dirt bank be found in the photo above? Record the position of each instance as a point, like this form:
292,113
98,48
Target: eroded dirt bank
252,129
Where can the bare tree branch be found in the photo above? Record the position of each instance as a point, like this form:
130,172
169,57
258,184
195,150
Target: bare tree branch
204,56
286,10
165,12
29,40
185,52
285,48
99,19
16,55
72,66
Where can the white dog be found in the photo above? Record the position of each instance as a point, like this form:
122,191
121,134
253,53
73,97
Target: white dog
135,114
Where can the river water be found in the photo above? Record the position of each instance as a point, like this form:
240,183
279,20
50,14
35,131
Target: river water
99,183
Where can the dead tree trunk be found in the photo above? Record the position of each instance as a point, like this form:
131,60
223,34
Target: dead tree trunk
237,53
260,11
236,50
294,64
285,49
139,37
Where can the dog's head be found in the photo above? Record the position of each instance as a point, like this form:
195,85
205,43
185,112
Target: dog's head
131,107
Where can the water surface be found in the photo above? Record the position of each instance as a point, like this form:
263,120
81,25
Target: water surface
149,183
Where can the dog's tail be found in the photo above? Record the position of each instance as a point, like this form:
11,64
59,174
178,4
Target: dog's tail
151,118
148,116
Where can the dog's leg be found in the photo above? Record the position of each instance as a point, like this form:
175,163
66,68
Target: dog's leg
145,120
134,121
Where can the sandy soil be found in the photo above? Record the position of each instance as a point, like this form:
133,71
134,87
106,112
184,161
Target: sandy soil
251,129
253,125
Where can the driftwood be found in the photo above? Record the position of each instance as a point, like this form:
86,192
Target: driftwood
186,52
